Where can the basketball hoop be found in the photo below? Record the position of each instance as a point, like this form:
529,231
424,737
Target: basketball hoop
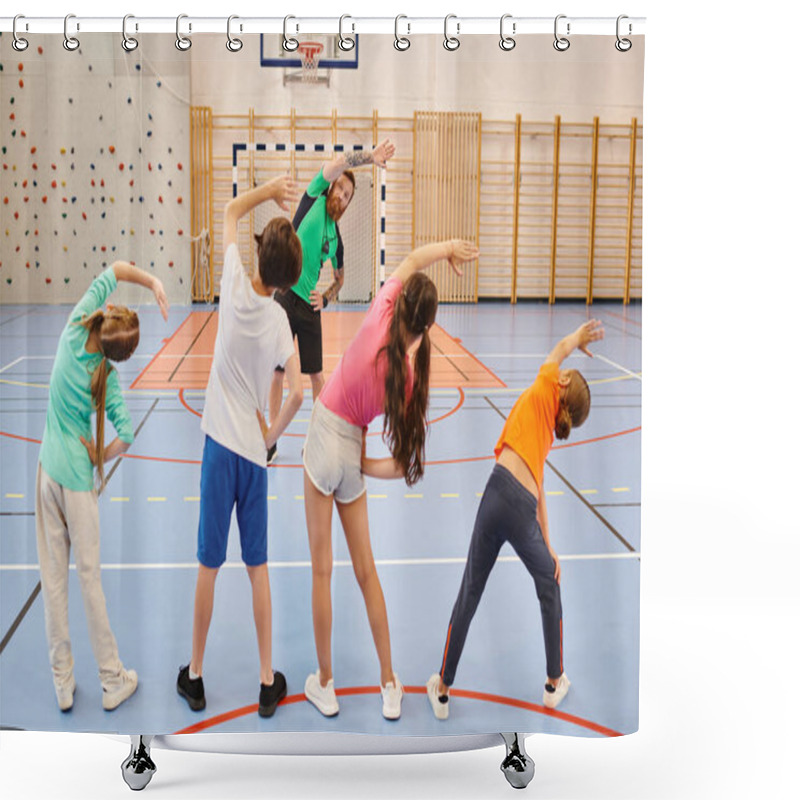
309,56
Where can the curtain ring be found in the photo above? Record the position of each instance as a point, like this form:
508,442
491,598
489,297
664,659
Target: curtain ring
129,44
233,44
507,42
345,42
450,43
401,43
561,43
70,42
18,43
623,45
181,42
289,44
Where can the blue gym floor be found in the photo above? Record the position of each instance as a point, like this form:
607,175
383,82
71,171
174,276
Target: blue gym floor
420,536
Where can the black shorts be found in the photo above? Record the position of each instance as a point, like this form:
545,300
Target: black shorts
306,325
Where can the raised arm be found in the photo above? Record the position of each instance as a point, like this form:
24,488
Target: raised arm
282,190
332,169
591,331
123,271
456,251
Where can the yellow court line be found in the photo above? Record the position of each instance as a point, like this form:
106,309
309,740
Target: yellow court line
15,496
620,489
156,499
272,497
413,496
299,497
448,495
119,499
588,491
191,499
378,496
551,494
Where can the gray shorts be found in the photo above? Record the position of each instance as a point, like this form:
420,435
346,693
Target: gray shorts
332,455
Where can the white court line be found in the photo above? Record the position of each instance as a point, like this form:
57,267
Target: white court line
13,363
387,562
619,367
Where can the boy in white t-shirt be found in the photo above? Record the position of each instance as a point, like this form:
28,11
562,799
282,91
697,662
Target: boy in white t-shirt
253,337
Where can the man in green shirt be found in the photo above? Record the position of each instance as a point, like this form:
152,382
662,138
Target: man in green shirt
316,222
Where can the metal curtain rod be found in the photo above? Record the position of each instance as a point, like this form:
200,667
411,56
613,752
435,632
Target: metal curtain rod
457,26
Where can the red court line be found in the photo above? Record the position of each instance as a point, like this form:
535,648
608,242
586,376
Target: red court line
164,346
21,438
300,466
461,398
187,406
469,353
362,690
597,439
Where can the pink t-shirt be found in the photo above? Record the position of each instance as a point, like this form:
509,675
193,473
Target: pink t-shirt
356,389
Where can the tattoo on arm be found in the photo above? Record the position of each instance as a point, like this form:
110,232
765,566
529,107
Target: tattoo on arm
357,158
332,292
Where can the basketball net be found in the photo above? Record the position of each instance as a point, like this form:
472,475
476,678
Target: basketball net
309,56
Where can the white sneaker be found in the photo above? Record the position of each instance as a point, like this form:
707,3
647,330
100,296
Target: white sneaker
113,698
65,693
324,698
392,695
439,703
554,695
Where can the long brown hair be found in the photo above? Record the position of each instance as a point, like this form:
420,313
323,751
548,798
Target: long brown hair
405,424
117,336
574,405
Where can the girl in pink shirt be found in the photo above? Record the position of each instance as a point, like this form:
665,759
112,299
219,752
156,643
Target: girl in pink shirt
375,375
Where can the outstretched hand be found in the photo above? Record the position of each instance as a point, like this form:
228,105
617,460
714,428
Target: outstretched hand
591,331
284,191
161,298
461,252
382,153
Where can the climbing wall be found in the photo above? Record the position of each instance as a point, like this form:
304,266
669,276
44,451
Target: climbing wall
95,166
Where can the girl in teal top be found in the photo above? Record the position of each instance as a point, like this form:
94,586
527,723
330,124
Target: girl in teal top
67,517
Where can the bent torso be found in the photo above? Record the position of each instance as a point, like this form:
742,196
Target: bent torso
509,459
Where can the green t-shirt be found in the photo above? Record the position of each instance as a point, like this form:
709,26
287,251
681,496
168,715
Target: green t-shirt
69,409
318,234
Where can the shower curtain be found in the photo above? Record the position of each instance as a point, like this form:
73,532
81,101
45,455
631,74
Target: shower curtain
532,154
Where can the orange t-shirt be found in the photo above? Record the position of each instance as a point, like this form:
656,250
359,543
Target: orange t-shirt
529,428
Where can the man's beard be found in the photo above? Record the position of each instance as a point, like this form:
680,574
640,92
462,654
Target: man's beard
334,208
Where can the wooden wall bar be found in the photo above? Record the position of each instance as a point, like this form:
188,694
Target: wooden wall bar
555,206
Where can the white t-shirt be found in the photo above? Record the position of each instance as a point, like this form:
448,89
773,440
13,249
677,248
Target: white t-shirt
253,337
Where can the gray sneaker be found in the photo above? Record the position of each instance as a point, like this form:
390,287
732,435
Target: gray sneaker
127,686
65,693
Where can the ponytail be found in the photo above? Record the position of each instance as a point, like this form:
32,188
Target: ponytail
575,400
117,335
405,423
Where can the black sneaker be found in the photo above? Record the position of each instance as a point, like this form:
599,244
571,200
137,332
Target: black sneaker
270,696
192,690
272,453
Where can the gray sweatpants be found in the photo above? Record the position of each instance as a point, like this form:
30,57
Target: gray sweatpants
66,519
507,513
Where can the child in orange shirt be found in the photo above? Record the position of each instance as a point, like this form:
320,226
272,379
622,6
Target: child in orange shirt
513,510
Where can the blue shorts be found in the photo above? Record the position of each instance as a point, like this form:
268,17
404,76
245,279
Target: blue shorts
227,479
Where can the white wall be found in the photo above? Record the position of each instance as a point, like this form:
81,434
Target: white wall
95,166
591,78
